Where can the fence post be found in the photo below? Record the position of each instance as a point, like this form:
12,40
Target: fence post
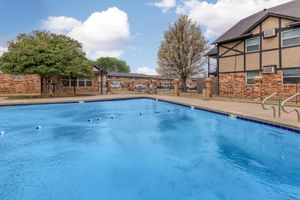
208,87
108,86
176,87
147,87
131,85
154,87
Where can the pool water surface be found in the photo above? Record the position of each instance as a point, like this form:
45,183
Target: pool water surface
142,150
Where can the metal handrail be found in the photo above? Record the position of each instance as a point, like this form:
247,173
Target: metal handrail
271,107
289,111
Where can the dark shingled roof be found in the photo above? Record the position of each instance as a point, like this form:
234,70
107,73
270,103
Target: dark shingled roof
288,10
136,75
131,75
212,52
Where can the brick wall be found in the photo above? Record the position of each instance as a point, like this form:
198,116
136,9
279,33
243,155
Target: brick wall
235,85
93,89
28,84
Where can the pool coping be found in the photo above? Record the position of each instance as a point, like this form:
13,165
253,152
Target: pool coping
238,116
211,110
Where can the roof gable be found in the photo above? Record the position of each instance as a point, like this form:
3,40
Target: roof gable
288,10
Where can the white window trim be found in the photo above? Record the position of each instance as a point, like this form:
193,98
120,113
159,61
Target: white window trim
246,46
77,82
252,78
290,37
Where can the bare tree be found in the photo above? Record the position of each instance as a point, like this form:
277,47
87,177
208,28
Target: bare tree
181,53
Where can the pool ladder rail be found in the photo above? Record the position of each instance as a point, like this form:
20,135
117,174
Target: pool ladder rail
293,110
281,105
263,104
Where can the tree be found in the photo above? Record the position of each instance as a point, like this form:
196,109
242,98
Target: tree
45,54
112,64
181,53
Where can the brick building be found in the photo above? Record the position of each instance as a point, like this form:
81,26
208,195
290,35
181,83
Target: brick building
10,84
31,84
260,55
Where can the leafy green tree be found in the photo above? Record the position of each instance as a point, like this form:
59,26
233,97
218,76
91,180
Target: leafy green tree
181,53
46,54
112,64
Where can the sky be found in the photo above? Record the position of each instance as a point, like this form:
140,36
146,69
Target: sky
131,30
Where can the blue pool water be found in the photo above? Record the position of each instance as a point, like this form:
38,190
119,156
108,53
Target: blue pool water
134,153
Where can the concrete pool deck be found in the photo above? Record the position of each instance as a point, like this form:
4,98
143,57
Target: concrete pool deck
250,110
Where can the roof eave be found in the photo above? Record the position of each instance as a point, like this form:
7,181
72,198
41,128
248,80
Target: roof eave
246,33
233,39
268,15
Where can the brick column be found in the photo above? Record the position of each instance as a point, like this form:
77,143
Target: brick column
176,87
154,87
208,86
257,87
108,86
131,85
147,87
127,85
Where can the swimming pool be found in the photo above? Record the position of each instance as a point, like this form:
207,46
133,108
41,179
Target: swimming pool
142,149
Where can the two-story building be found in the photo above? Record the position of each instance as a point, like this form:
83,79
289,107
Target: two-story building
265,45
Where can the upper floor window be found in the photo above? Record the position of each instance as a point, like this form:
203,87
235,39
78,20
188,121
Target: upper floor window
290,37
291,76
253,44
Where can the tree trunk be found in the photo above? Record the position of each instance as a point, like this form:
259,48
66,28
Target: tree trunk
42,84
74,87
183,85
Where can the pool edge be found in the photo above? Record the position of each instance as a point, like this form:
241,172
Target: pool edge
224,113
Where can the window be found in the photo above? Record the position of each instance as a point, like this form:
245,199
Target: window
73,82
290,38
88,82
81,82
253,44
251,75
291,76
66,82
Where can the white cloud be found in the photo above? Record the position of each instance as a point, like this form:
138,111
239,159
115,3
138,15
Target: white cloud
219,16
103,33
146,70
61,24
2,50
165,5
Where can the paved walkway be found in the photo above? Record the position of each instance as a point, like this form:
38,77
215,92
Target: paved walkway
252,110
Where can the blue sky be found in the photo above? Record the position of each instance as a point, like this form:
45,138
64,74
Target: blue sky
131,30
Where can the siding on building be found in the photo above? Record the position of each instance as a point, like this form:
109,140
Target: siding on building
234,62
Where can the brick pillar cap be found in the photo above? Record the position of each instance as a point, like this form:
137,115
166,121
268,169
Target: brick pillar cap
208,80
